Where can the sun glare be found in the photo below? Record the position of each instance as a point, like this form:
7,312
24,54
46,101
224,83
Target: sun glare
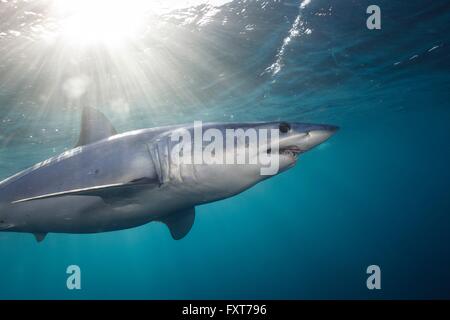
107,22
147,54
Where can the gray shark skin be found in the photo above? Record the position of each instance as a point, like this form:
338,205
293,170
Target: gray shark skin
113,181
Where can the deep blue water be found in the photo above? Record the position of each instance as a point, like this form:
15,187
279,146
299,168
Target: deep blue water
378,192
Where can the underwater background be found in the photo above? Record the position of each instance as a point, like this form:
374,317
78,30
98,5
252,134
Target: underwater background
378,192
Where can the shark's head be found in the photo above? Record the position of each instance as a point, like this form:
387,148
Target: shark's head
297,138
233,157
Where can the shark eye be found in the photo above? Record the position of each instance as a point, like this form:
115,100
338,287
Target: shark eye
284,127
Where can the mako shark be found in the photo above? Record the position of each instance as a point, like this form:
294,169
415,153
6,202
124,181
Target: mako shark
112,181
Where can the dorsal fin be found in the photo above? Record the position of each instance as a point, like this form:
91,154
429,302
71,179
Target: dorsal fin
94,127
180,222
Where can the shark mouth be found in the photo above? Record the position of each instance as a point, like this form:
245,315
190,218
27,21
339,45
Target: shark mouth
292,151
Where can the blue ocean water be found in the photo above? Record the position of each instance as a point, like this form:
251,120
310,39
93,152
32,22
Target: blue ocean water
378,192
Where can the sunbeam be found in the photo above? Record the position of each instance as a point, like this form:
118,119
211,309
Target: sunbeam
109,22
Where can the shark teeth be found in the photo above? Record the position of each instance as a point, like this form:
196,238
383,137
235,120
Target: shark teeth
292,151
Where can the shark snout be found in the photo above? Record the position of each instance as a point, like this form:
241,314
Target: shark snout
322,133
310,136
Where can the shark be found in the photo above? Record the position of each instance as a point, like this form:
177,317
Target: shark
112,181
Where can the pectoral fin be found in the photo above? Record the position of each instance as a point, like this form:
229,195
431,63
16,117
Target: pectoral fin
180,222
106,192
